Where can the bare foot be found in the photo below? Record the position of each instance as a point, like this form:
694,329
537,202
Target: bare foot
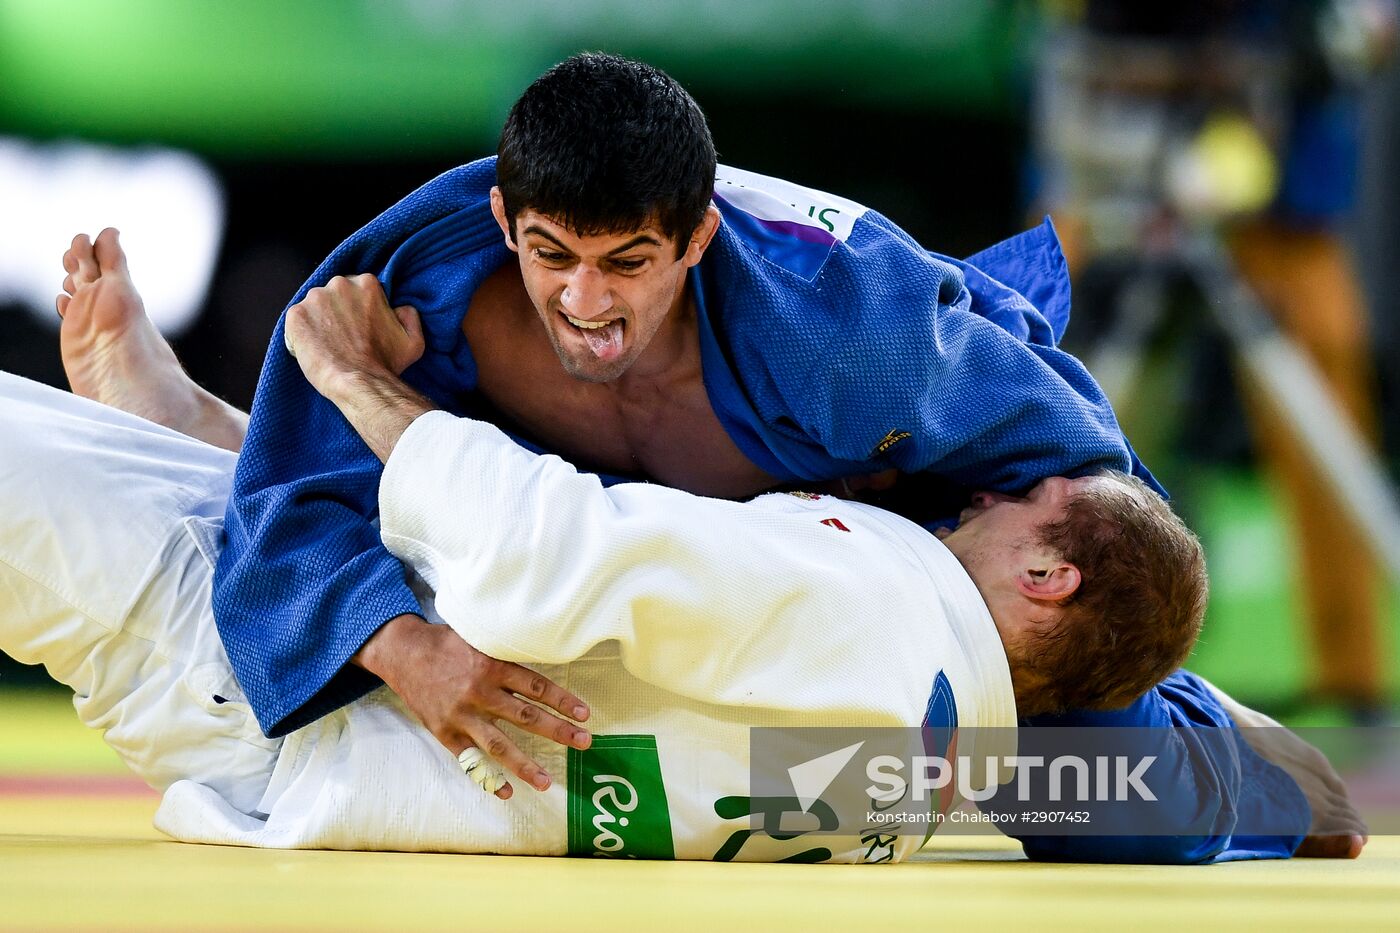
1345,846
1337,830
113,354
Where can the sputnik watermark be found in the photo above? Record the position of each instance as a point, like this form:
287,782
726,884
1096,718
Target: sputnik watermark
1115,778
886,783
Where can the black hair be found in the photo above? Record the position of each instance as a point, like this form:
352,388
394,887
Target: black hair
603,144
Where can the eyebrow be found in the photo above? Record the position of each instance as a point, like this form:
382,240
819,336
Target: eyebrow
641,239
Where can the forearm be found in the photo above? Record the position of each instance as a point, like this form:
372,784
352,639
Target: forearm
390,648
379,407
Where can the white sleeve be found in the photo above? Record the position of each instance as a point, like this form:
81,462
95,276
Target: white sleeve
500,533
536,563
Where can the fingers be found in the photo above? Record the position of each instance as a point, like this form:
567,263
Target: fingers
499,747
490,690
349,321
536,719
541,689
365,280
408,317
503,703
484,772
412,324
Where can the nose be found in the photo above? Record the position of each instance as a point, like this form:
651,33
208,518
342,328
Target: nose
586,294
987,497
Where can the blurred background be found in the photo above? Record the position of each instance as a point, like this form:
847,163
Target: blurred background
1223,172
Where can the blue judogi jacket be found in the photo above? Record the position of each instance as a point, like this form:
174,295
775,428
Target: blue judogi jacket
832,344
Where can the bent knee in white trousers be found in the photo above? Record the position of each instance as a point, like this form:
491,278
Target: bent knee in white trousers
109,527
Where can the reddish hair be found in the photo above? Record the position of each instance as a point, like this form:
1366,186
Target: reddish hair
1138,608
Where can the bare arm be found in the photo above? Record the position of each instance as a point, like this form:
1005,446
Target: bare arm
352,346
380,408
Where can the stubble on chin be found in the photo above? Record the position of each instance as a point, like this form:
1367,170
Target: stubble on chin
588,370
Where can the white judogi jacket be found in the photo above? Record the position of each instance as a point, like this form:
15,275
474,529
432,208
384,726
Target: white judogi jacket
682,621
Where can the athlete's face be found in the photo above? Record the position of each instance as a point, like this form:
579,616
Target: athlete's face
998,542
997,531
603,298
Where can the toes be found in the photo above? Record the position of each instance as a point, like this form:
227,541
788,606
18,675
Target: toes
1341,846
62,304
110,257
80,247
69,263
69,286
87,263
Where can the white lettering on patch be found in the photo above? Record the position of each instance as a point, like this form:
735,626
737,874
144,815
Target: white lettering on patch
770,198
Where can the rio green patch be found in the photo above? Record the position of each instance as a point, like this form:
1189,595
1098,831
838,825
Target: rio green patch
617,801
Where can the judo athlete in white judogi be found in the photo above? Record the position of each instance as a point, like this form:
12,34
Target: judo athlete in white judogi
684,621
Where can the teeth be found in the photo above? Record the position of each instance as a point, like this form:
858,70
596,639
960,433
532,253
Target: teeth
587,325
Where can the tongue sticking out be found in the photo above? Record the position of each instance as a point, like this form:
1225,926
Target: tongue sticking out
605,342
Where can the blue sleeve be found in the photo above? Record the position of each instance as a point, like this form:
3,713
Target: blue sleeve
1218,786
303,580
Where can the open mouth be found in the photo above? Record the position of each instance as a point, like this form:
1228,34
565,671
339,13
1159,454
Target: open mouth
604,338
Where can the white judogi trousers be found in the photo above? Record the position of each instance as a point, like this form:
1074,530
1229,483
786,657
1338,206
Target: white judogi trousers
683,621
107,523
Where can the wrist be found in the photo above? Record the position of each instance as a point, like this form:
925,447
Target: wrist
388,645
379,406
349,389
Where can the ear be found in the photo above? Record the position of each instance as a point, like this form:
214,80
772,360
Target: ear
700,239
498,210
1048,582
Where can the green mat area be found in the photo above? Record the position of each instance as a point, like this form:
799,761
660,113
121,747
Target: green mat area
40,735
1254,644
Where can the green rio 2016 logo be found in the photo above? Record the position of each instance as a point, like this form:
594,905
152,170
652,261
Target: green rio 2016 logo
607,841
617,801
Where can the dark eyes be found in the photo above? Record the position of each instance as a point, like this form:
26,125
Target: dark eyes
555,258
